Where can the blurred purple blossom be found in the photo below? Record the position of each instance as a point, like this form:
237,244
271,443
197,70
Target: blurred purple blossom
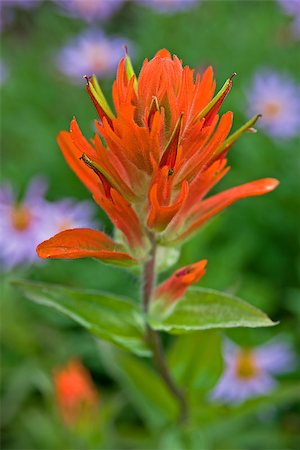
169,5
90,53
22,224
277,97
250,372
292,8
67,213
26,223
90,10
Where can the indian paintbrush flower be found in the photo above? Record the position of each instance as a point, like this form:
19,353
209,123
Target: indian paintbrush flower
76,394
175,286
152,163
249,372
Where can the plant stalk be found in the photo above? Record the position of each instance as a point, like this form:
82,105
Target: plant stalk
154,340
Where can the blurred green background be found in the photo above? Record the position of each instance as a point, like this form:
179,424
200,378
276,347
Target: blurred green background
252,248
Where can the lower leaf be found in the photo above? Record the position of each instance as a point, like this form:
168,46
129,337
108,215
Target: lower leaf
114,319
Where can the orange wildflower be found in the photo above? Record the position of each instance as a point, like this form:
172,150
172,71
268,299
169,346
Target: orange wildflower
153,161
175,286
76,394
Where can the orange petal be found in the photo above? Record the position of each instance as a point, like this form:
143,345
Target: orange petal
72,155
123,216
160,216
82,243
175,286
163,53
218,202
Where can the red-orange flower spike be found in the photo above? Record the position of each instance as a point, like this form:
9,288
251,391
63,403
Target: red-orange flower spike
76,394
153,161
174,287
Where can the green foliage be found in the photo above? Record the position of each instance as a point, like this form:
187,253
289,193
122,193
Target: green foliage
109,317
196,361
202,309
142,385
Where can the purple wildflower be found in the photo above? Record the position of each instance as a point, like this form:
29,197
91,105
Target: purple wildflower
250,372
169,5
277,98
90,53
23,225
90,10
67,213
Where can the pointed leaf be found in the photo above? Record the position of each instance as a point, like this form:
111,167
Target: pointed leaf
108,317
202,309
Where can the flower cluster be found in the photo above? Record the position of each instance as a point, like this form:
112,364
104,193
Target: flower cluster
249,372
76,394
23,224
152,162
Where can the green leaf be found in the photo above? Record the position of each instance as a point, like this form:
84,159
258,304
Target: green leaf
202,309
108,317
196,361
143,386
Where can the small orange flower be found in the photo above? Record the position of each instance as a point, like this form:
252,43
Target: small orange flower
175,286
76,394
153,160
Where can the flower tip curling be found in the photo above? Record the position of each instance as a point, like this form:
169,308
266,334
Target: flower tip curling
271,184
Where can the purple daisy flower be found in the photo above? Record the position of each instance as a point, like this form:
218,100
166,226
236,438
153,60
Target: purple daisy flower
67,214
169,5
250,372
22,224
90,53
90,10
277,98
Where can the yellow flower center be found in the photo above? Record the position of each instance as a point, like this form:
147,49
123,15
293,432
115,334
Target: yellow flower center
271,110
20,218
246,365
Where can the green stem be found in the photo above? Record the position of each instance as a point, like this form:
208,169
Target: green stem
154,340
